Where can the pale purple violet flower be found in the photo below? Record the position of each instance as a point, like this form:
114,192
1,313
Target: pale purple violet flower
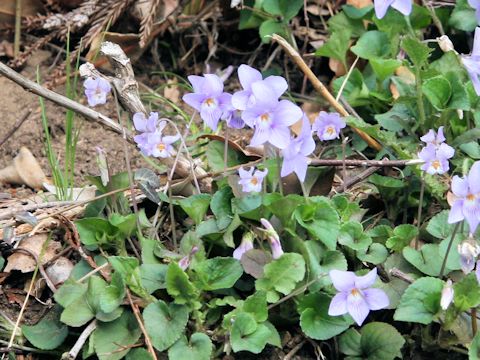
143,124
295,155
356,295
251,180
468,251
273,239
436,158
447,295
147,128
245,245
472,61
381,7
247,75
328,125
96,90
476,5
233,118
467,198
161,146
269,117
434,138
208,98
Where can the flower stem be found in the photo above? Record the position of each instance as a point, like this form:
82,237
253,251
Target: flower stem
279,173
419,213
449,247
225,150
420,104
473,314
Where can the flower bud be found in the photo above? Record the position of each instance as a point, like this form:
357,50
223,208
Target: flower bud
447,295
273,239
245,245
445,43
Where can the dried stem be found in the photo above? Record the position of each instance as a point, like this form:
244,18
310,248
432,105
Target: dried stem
317,84
73,353
16,126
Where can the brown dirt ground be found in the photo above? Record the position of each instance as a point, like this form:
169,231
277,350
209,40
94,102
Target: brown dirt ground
14,103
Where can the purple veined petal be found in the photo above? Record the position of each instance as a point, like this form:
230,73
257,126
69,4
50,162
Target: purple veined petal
265,97
104,85
260,136
445,151
225,101
428,153
287,113
194,100
476,38
301,167
475,81
140,122
342,280
247,75
471,211
338,305
260,174
184,263
213,85
276,247
440,136
211,116
245,245
460,186
376,298
278,84
241,99
366,281
474,3
279,137
170,139
308,145
90,83
250,116
288,166
474,178
197,82
456,212
381,7
245,173
161,125
467,263
357,307
429,137
404,6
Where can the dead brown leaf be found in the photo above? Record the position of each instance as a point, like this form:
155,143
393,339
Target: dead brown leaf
171,91
359,3
24,262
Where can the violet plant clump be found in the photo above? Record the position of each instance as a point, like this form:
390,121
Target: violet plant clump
264,252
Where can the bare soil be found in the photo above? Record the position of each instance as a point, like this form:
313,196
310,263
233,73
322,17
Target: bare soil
14,103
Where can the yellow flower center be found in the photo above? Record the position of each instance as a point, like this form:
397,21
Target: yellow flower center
470,197
355,292
330,130
210,102
161,146
436,164
254,180
264,117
